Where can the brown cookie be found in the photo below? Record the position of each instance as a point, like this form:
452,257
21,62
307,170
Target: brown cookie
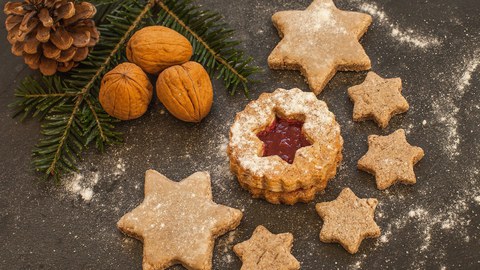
348,220
265,251
178,221
391,159
377,98
270,176
319,41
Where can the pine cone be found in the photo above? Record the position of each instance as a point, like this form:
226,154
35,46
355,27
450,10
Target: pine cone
51,35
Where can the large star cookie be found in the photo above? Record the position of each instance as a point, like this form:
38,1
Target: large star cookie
391,159
348,220
178,221
265,251
319,41
377,98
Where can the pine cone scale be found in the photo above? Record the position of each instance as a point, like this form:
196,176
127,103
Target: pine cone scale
48,66
45,18
13,8
81,39
31,45
51,35
43,34
12,21
66,11
51,51
83,11
28,23
67,55
17,48
80,54
62,39
32,60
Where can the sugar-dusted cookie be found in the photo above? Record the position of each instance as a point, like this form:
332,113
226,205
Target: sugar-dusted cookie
348,220
266,251
319,41
178,221
377,98
391,159
285,146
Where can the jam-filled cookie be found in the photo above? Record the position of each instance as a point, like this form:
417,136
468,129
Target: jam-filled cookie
285,146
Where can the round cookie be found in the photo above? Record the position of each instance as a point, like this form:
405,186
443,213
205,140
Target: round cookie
271,177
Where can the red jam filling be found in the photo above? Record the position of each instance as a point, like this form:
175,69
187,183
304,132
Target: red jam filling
283,138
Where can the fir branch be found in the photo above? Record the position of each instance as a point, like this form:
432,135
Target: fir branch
68,105
36,97
72,115
69,134
212,41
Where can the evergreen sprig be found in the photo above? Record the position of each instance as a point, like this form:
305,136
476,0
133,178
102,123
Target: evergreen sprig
72,117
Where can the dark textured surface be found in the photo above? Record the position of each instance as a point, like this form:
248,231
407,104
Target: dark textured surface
431,225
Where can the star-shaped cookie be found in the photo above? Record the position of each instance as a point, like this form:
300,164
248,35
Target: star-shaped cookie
178,221
319,41
348,220
266,251
391,159
377,98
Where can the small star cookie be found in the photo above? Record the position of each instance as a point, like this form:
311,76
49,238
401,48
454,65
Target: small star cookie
391,159
319,41
265,251
348,220
377,98
178,221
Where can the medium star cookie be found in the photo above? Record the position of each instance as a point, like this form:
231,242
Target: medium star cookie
377,98
391,159
265,251
178,221
319,41
348,220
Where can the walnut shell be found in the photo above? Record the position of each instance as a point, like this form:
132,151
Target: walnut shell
156,48
186,91
125,92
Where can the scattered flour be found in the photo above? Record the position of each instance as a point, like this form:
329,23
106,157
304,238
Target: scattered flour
477,199
119,167
431,223
402,35
445,108
471,67
82,184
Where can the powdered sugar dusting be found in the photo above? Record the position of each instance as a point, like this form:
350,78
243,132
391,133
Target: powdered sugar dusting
408,36
324,19
471,67
82,185
445,108
425,225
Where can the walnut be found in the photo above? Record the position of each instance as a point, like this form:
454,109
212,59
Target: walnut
156,48
186,91
125,92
